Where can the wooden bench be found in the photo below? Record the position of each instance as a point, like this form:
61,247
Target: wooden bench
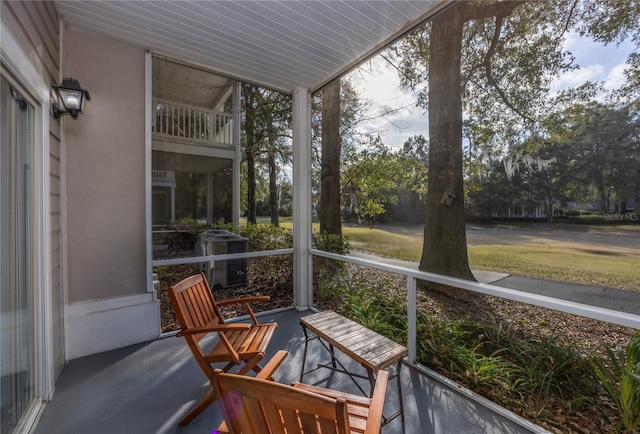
371,350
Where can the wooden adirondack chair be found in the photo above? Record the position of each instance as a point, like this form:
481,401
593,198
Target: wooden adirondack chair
255,406
240,345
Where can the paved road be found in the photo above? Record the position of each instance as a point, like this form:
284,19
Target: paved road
605,239
608,298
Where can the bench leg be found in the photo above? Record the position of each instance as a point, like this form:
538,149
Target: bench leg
304,356
333,356
400,394
372,382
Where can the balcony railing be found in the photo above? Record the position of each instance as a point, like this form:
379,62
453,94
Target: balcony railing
196,124
588,311
164,176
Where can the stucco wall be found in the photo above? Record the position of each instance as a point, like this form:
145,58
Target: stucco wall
105,155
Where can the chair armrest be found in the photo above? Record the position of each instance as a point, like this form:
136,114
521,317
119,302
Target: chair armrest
246,301
374,421
272,365
214,328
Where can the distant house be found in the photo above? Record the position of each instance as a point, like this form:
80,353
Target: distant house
524,212
595,207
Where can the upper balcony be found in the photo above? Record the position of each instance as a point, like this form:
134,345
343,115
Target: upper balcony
173,121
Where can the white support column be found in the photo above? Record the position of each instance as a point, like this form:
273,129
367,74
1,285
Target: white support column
148,183
302,276
235,196
412,333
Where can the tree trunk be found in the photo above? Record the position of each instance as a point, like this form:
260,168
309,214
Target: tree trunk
445,243
251,184
273,189
330,218
248,93
637,195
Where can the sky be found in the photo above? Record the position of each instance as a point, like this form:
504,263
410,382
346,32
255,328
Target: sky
379,83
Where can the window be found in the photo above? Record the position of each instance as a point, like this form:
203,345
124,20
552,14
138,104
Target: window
17,330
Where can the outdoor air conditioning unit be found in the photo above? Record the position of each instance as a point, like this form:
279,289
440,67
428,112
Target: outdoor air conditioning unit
224,273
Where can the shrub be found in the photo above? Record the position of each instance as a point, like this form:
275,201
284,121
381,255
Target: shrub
621,379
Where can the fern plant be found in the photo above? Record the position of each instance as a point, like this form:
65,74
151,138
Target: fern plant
621,379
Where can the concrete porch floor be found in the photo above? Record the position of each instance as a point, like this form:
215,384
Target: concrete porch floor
149,387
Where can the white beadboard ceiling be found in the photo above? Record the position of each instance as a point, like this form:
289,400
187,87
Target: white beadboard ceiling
280,44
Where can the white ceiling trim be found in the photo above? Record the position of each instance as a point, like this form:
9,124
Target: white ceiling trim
282,44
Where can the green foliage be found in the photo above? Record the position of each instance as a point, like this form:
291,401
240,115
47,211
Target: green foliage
331,243
609,220
620,376
370,306
266,144
462,351
550,369
264,236
352,110
377,177
327,269
605,150
377,311
490,360
494,362
590,154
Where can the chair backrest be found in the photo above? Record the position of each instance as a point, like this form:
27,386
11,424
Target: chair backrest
255,406
194,304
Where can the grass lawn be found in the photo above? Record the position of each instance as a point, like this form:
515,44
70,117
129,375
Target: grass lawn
385,244
561,261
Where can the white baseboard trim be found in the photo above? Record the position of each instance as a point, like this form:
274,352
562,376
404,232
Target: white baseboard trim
102,325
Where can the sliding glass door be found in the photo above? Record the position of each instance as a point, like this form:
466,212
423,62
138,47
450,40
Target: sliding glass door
17,332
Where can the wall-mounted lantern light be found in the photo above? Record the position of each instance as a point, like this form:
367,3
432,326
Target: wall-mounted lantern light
70,96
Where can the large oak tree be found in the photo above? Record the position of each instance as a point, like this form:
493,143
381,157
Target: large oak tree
496,61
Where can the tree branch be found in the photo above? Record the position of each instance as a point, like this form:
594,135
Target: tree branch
474,10
568,21
487,65
391,63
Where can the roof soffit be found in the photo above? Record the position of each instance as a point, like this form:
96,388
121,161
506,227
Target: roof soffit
278,44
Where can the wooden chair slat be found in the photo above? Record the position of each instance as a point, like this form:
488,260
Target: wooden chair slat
327,425
195,307
289,421
309,423
299,408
